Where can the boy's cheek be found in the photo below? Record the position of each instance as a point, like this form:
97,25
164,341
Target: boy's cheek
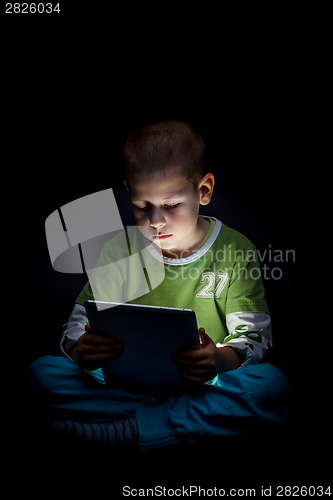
145,230
141,220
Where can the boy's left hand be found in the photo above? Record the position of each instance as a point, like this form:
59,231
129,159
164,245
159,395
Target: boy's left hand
203,362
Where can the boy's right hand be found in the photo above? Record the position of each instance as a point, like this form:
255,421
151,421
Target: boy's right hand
95,351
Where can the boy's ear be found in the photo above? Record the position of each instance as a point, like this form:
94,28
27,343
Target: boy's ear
126,185
206,187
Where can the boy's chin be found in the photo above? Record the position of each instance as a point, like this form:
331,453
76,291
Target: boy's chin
165,246
162,245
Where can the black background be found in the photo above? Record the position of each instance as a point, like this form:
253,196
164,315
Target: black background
75,88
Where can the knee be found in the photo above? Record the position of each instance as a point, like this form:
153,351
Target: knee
269,389
264,388
43,373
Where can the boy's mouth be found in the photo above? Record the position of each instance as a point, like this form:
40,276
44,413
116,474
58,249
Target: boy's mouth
162,236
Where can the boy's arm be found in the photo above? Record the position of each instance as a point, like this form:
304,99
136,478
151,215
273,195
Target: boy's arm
73,329
203,362
88,349
248,343
250,335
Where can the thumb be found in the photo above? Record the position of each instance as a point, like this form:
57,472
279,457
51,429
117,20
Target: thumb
87,328
204,338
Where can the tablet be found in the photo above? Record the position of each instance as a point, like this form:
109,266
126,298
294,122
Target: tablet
150,336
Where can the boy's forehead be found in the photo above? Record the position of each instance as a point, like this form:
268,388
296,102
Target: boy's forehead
157,186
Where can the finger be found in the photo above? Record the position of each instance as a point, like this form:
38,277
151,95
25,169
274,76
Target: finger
100,356
189,352
191,356
95,333
204,338
92,349
196,372
98,361
95,339
195,367
196,377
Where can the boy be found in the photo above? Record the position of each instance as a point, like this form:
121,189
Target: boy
209,268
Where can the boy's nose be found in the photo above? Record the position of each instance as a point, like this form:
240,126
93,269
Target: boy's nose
157,220
156,225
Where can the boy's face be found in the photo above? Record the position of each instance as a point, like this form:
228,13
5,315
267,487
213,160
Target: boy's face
166,208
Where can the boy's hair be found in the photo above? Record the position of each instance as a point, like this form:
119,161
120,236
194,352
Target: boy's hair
162,144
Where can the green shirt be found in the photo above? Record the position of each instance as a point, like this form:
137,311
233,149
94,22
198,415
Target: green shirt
222,277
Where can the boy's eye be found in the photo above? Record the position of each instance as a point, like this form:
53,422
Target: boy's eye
137,207
174,205
145,207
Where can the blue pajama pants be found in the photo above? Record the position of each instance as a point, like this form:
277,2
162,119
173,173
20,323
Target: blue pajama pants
224,407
